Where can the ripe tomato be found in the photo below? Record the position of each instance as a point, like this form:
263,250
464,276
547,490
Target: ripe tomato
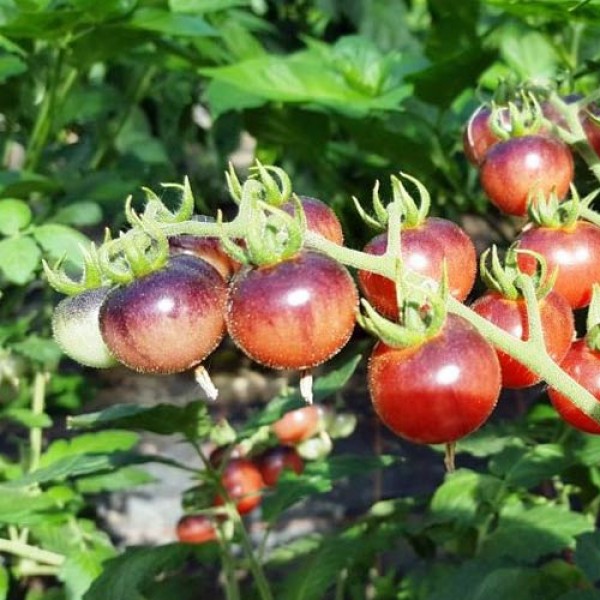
574,251
207,248
511,315
297,425
320,218
294,314
76,329
244,483
583,365
478,136
518,167
272,463
195,529
424,249
439,391
168,321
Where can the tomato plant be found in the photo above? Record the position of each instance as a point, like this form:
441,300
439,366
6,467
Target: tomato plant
243,483
274,461
196,529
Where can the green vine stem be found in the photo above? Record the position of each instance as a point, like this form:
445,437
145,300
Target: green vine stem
38,405
31,552
232,590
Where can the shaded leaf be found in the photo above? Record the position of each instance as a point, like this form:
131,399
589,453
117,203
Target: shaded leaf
176,24
19,259
587,555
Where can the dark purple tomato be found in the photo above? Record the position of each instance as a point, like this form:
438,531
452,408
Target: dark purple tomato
424,249
294,314
583,365
195,529
521,167
439,391
244,484
574,251
511,315
275,460
297,425
320,218
168,321
207,248
478,136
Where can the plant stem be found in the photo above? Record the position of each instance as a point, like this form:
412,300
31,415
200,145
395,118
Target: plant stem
31,552
38,405
232,590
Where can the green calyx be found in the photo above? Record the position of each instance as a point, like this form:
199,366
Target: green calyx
517,119
276,183
413,213
505,278
272,235
549,212
422,316
592,337
139,252
91,277
155,209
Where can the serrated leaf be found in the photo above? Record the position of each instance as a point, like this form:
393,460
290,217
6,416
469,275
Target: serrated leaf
89,443
19,259
176,24
59,241
126,577
121,479
14,216
191,420
80,214
527,534
587,555
81,569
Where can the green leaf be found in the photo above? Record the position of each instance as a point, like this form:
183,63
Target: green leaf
40,350
529,54
81,569
176,24
587,555
4,582
14,216
25,507
60,241
127,576
19,259
528,534
22,183
10,66
191,420
293,550
460,497
122,479
89,443
223,96
80,214
204,6
27,417
317,478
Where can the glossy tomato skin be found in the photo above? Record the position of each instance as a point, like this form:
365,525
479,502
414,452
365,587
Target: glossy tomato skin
76,328
295,314
320,218
478,136
297,425
244,484
574,252
168,321
518,167
206,248
583,365
275,460
511,315
195,529
424,249
439,391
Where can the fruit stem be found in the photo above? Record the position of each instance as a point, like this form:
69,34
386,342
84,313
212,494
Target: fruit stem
38,404
534,321
232,590
449,457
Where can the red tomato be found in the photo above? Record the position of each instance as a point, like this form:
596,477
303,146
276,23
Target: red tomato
424,249
167,321
244,483
518,167
206,248
272,463
294,314
583,365
439,391
573,251
297,425
320,218
511,315
195,529
478,136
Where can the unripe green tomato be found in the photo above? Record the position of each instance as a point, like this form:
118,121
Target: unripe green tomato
77,331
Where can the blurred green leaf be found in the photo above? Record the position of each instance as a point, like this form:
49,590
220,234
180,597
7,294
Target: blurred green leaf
205,6
176,24
25,507
60,241
79,214
4,582
27,417
529,54
121,479
587,555
44,351
82,568
19,259
191,420
127,576
10,66
14,216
